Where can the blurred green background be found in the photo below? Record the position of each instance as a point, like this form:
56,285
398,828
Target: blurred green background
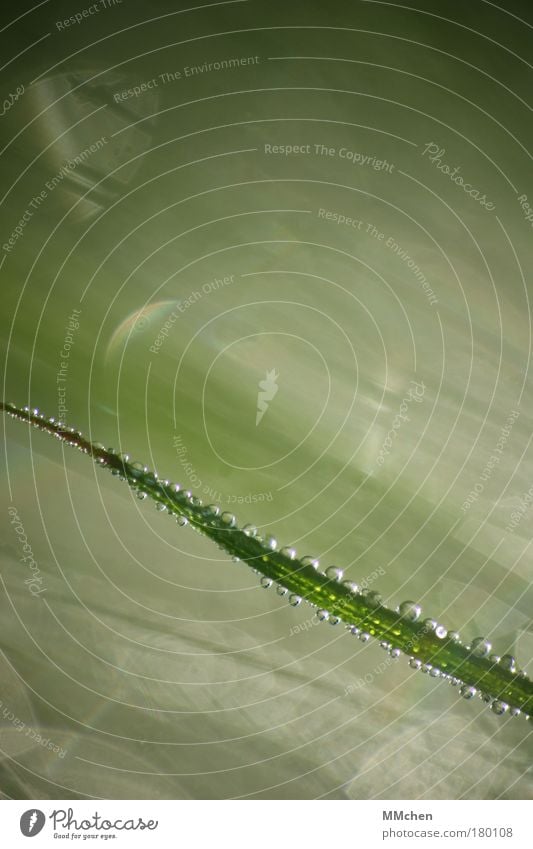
182,177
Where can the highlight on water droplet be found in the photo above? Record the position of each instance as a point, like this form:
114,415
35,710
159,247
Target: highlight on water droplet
480,647
468,692
410,610
499,707
334,573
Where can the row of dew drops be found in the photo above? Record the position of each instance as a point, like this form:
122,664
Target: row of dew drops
137,475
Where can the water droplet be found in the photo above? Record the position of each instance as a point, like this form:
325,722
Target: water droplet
141,495
425,668
322,615
364,637
440,632
136,469
515,711
507,661
395,652
415,663
196,502
250,530
182,521
281,590
410,610
265,582
468,692
454,636
480,647
384,645
434,672
160,507
228,519
429,624
295,600
288,552
308,560
494,658
372,597
351,586
499,707
334,574
334,620
354,630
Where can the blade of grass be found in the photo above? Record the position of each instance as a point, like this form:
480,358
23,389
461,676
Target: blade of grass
427,644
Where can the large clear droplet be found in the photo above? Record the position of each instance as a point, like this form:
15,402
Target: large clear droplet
480,647
265,582
507,661
228,519
372,597
308,560
468,692
334,573
499,707
270,543
410,610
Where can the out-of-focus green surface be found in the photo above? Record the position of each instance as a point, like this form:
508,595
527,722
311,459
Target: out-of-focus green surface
160,668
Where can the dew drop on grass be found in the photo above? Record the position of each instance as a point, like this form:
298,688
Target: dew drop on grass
373,598
507,661
334,573
410,610
228,519
308,560
468,692
480,647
